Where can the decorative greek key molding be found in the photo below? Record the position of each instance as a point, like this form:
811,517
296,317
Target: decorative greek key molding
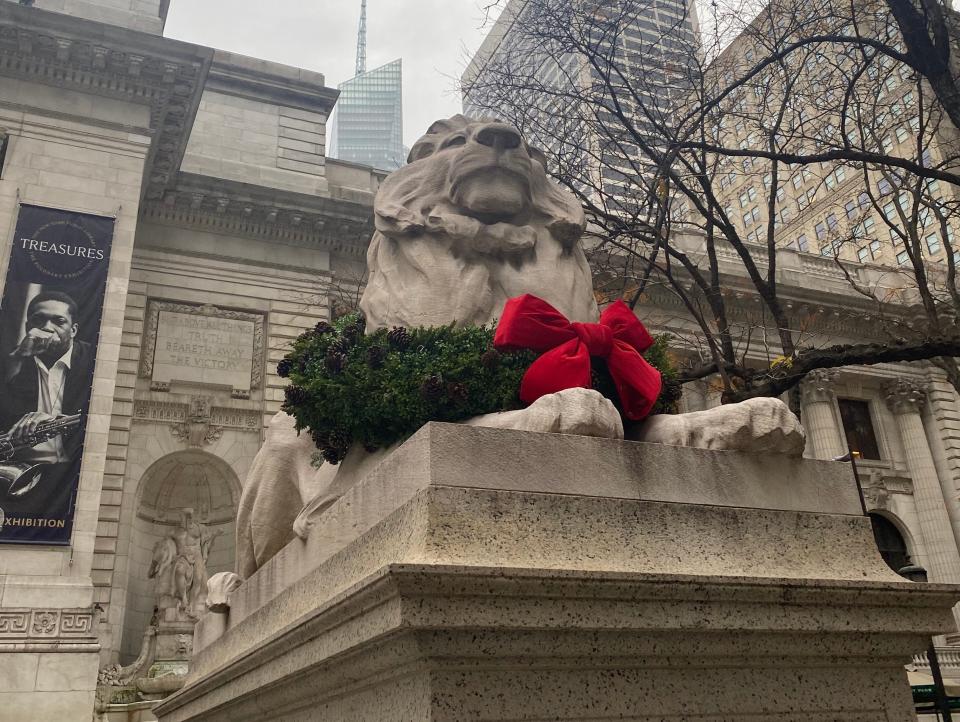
25,625
152,323
162,412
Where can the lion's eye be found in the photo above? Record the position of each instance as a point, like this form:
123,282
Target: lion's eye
455,141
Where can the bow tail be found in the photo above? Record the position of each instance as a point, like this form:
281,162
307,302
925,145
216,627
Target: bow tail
565,367
638,383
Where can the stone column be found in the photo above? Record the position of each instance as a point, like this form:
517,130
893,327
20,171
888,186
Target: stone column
825,439
942,558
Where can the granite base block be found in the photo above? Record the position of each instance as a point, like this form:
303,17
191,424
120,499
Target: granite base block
451,585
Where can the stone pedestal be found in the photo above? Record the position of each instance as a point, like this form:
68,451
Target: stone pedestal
500,575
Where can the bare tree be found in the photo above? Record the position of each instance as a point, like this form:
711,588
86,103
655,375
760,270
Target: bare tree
662,136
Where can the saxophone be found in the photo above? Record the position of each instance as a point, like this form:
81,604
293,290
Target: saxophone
17,478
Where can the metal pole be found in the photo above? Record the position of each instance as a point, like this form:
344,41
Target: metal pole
851,456
938,689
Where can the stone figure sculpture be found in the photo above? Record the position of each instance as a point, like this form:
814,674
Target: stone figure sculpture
179,567
470,222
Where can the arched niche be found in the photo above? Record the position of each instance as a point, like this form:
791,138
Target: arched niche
190,479
891,540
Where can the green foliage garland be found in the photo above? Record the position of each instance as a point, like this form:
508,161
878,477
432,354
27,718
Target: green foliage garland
348,387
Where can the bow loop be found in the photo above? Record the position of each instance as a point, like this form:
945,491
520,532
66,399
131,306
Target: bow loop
532,323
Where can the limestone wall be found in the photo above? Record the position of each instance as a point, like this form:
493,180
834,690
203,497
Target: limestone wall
255,141
65,161
194,267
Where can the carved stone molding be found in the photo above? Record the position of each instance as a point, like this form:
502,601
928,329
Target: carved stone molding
152,323
349,236
876,495
55,50
904,396
59,625
197,423
818,386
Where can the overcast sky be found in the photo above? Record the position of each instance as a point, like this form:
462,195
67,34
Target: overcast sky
433,37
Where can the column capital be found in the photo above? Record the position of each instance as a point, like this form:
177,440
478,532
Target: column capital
818,385
904,396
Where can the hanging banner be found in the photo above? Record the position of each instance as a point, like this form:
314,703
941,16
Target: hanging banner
49,326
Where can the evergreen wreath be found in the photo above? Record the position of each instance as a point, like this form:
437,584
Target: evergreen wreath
347,387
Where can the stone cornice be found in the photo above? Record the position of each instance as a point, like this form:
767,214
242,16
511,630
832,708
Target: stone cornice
69,52
260,84
253,211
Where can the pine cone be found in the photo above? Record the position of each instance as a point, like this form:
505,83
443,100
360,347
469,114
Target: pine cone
294,395
376,356
457,392
336,446
432,388
335,362
490,359
399,337
353,331
322,328
284,367
339,345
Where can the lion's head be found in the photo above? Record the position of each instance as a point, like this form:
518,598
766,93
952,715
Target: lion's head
469,222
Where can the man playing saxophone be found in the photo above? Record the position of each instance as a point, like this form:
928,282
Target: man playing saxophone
50,372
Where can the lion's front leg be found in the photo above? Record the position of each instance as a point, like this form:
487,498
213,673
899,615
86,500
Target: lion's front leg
584,412
757,425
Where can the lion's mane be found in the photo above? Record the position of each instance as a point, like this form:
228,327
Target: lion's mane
433,263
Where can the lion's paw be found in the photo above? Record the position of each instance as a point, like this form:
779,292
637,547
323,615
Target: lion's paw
757,425
572,411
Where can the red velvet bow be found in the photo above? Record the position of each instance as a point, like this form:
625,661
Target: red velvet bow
529,322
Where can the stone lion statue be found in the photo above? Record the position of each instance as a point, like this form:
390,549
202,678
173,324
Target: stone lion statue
471,221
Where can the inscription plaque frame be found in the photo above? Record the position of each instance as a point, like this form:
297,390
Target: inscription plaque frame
151,326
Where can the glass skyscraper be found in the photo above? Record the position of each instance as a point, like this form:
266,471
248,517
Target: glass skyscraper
367,125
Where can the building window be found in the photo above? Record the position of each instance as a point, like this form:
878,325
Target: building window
821,230
831,221
863,254
890,542
858,428
933,243
902,258
802,243
851,209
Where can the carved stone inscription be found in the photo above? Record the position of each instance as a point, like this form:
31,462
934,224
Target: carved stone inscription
202,345
203,349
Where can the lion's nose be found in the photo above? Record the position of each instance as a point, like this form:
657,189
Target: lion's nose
500,136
